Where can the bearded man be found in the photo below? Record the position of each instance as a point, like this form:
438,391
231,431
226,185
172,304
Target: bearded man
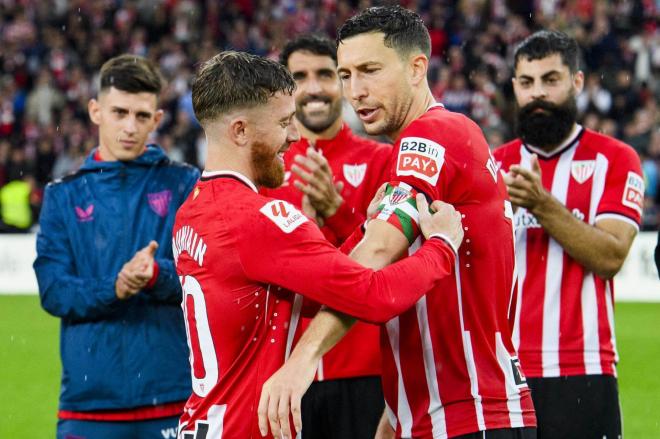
579,198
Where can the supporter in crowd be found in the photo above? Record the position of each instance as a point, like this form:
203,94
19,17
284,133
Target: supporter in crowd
70,40
579,196
104,266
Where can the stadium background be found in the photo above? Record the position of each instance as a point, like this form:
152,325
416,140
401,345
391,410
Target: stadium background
52,50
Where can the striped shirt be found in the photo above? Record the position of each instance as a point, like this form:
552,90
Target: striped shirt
565,324
449,366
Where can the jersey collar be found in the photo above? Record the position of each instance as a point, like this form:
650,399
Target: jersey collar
570,141
207,175
325,144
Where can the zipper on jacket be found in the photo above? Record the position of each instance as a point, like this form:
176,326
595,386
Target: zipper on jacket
125,251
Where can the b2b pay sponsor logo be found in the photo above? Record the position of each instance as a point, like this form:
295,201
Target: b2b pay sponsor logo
284,215
633,194
421,158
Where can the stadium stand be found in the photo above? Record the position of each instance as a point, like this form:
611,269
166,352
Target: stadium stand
51,50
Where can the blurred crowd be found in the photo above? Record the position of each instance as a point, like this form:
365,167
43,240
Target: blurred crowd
52,50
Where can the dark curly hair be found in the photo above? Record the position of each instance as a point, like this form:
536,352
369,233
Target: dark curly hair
548,42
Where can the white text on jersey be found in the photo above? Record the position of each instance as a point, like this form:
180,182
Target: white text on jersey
186,239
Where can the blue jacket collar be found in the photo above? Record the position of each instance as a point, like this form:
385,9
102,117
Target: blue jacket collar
152,155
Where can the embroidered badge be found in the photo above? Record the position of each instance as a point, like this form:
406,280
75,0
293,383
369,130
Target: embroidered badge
354,174
160,202
86,214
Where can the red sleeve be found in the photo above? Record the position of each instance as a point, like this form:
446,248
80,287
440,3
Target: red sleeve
353,240
294,255
154,276
623,192
419,164
342,223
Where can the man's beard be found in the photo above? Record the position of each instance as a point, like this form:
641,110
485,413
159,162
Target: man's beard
313,124
549,128
268,169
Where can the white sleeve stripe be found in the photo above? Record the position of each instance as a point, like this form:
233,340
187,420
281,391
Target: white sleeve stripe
617,217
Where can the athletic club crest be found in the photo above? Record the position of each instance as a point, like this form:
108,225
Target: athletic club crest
582,170
160,202
354,174
399,195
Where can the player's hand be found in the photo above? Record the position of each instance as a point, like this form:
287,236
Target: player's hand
282,394
525,187
123,290
316,182
375,201
444,220
136,273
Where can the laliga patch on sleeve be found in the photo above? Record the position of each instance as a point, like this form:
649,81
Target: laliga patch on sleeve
420,158
633,193
284,215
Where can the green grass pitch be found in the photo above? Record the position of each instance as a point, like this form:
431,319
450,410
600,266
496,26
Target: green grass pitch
30,368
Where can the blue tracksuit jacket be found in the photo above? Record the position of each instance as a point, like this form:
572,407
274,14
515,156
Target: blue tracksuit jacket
115,354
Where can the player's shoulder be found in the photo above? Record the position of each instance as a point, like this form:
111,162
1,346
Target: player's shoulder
283,215
441,125
606,145
507,149
66,182
179,168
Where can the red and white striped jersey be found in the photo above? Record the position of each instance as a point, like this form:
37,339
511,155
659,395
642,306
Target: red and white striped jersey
449,366
565,324
361,164
238,254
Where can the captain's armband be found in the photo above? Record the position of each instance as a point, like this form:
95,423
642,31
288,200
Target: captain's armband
399,208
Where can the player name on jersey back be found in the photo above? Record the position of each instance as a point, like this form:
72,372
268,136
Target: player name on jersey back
187,240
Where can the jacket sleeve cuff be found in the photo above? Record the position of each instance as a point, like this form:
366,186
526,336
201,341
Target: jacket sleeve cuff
154,277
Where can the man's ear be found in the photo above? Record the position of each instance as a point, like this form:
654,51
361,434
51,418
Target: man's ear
158,117
94,111
419,66
239,131
578,82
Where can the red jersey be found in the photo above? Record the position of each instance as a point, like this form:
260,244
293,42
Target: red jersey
362,165
565,324
449,365
238,254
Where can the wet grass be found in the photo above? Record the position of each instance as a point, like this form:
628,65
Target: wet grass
30,368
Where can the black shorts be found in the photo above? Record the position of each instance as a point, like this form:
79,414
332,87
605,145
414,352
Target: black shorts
346,408
577,407
502,433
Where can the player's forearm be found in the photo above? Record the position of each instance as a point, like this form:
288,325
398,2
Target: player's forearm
324,331
598,251
75,298
379,247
